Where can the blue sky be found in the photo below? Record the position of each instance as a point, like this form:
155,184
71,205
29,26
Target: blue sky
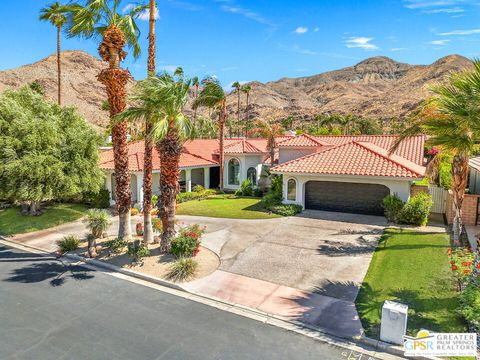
263,40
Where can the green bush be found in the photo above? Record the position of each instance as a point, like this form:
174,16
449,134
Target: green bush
286,209
154,200
392,206
257,192
246,188
275,193
416,210
116,244
189,196
198,189
100,200
470,300
138,252
182,269
68,243
187,242
97,221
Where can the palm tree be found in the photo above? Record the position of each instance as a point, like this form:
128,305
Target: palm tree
246,89
238,88
55,13
451,119
100,18
270,132
214,97
161,100
147,156
196,84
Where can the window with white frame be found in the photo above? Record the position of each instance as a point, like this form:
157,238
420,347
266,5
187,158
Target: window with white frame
292,190
252,175
233,172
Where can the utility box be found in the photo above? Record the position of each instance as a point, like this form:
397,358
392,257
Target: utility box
394,322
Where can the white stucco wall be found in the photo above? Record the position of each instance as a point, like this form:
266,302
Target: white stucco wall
246,162
287,154
398,186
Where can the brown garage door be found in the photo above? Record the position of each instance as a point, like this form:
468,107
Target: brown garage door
345,197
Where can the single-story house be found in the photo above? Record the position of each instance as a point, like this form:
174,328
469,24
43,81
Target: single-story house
335,173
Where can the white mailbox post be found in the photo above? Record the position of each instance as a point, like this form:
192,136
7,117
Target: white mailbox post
394,322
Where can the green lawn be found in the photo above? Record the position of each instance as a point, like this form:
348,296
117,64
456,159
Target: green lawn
12,222
412,268
226,206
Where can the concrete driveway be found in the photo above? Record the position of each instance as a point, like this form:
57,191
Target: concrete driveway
319,252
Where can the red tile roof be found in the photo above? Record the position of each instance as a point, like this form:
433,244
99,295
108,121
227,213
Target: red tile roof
411,148
136,152
353,158
242,146
303,140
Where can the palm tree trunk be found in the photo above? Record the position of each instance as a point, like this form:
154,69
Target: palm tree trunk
221,135
59,67
115,80
147,156
459,184
195,109
170,150
238,112
247,115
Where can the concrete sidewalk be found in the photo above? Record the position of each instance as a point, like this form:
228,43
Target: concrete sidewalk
331,315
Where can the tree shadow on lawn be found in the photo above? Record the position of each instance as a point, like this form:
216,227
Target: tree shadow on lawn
45,268
421,310
342,248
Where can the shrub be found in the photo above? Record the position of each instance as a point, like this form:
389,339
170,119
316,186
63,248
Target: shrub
134,211
97,221
187,242
470,300
416,210
189,196
116,245
157,224
100,200
392,206
154,200
138,252
182,269
68,243
246,188
286,209
257,192
270,200
198,189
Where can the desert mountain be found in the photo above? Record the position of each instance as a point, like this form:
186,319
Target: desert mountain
376,87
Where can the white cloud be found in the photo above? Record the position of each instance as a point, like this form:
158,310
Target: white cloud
317,29
296,49
360,42
440,42
423,4
455,10
231,7
398,49
301,30
461,32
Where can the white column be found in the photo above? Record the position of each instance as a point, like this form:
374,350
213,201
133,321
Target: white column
140,188
188,180
206,178
108,185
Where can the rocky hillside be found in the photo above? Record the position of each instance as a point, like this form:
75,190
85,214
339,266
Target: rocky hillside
377,87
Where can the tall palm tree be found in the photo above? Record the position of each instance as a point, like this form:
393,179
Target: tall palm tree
161,99
147,156
246,89
215,98
270,132
451,119
238,88
100,18
196,85
55,13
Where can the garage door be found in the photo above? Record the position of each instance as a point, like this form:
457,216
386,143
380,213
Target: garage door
345,197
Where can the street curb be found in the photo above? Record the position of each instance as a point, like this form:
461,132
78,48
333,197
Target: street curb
238,309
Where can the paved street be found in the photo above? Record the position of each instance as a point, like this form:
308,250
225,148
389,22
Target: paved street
52,311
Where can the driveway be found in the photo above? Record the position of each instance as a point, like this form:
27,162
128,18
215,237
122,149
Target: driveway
318,252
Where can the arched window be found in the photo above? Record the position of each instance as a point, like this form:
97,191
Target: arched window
252,175
292,190
233,172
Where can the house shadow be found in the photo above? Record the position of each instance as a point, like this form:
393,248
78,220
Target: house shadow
41,268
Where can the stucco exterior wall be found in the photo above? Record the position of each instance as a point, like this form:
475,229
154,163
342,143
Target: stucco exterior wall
401,187
246,162
287,154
